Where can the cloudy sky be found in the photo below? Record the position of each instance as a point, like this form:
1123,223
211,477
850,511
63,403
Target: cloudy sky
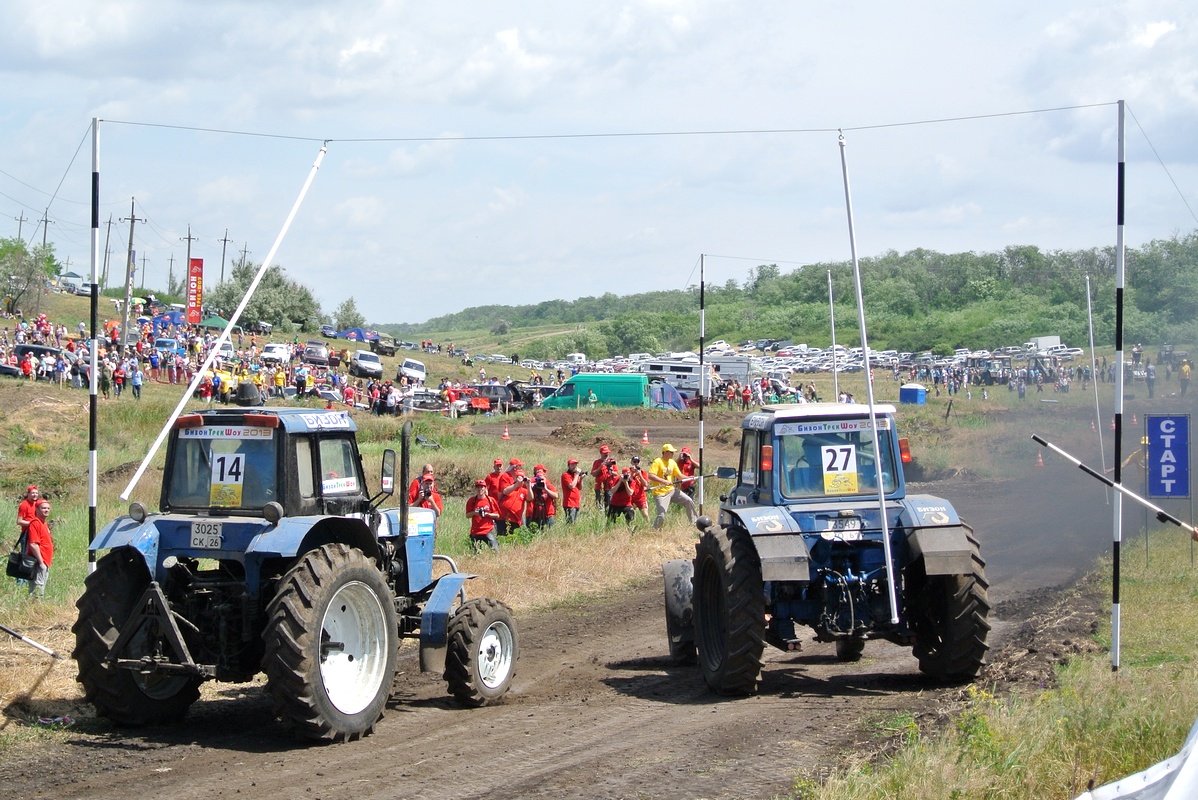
469,160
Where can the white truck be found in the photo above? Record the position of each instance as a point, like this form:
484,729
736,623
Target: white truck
1040,344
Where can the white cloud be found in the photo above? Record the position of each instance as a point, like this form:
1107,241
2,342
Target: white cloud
468,219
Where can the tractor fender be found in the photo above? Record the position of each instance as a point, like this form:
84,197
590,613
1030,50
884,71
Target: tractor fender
294,536
945,551
778,539
126,532
935,534
434,621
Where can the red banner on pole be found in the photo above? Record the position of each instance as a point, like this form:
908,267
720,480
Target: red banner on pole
195,291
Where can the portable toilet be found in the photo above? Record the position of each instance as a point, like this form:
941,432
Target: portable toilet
914,393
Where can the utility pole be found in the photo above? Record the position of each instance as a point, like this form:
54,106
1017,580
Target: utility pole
244,252
20,223
107,253
170,274
144,257
130,265
223,244
189,239
41,281
45,224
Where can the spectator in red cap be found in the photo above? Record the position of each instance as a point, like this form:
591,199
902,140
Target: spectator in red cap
492,479
601,470
687,465
423,491
484,514
572,490
513,499
27,510
505,479
542,499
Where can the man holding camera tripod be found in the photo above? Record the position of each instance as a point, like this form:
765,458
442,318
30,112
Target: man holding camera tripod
423,493
665,477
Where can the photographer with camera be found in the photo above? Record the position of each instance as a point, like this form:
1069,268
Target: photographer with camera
621,503
484,513
572,490
514,497
599,471
422,493
542,505
640,483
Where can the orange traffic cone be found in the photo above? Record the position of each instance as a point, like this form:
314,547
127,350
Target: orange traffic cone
1092,426
645,437
1112,423
1134,421
505,433
1039,459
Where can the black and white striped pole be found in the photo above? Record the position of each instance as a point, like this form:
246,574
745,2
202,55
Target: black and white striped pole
1118,475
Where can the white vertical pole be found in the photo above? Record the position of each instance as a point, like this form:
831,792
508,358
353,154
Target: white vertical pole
832,314
1118,476
704,378
869,391
224,336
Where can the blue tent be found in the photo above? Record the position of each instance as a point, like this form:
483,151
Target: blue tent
169,318
663,395
357,335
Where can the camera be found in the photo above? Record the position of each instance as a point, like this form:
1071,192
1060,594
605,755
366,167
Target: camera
539,479
611,462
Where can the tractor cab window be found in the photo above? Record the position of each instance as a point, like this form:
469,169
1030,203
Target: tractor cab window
225,467
339,468
749,458
818,459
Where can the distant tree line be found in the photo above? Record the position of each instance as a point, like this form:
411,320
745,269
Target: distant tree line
915,301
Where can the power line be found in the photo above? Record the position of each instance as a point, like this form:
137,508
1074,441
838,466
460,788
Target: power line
611,134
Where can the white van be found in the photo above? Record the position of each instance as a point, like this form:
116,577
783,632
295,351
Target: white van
576,358
413,369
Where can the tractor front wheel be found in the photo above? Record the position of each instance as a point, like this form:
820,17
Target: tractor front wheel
729,611
481,660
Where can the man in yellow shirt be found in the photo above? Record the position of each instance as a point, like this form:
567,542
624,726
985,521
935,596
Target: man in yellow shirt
663,477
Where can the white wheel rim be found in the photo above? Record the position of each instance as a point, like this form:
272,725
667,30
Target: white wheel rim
353,669
495,655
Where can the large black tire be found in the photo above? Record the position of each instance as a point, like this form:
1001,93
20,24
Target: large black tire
679,579
123,696
949,614
729,608
481,661
331,645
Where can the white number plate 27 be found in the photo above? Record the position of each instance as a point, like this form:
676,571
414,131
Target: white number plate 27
843,528
206,535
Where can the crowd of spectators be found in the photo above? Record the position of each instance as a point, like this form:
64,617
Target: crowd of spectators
512,498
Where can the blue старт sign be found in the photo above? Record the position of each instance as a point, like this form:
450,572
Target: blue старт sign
1168,455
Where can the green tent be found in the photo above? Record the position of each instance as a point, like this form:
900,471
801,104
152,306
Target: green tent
218,322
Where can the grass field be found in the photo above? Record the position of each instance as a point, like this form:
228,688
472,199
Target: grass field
1089,727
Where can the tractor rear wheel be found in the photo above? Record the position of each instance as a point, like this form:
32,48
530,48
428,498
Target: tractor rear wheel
949,614
481,660
124,696
331,645
729,611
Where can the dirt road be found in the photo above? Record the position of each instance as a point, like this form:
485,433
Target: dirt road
596,710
